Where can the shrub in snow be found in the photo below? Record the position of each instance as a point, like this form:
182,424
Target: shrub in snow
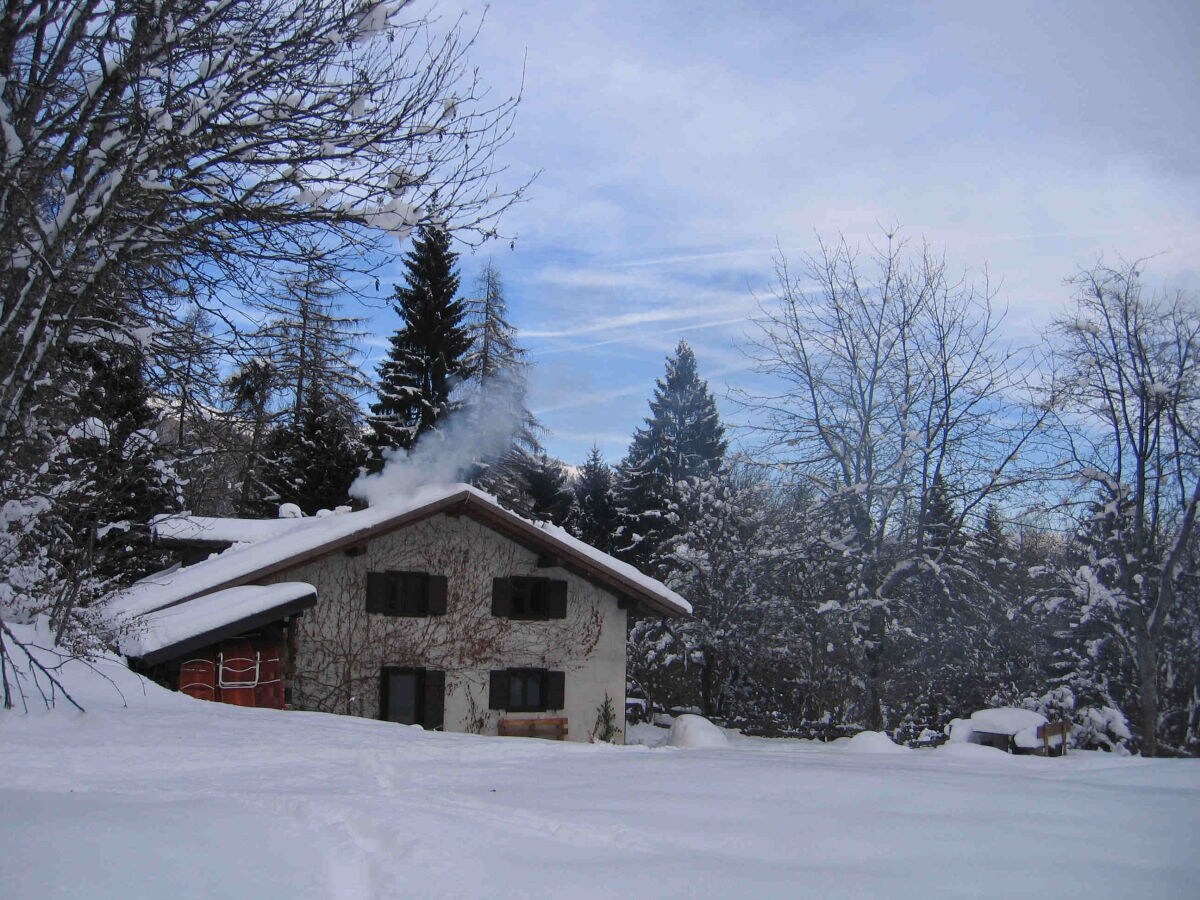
1093,726
696,731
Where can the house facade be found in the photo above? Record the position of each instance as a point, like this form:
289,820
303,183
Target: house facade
450,613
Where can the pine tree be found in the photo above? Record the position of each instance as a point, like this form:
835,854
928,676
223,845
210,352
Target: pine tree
595,519
940,532
549,496
428,355
250,391
683,439
118,477
314,459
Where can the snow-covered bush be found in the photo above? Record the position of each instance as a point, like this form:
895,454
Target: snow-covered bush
1093,726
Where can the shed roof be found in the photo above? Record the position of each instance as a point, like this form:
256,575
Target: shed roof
166,633
248,563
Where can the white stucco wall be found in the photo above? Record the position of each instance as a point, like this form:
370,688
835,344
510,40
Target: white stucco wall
340,648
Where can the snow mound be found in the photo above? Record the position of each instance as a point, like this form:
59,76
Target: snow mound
646,735
975,753
872,742
696,732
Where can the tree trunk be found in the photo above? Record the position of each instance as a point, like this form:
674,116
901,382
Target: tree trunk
874,659
1147,658
707,701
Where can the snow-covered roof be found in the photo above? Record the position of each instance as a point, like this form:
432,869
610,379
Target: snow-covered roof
1020,724
166,633
221,532
1006,720
246,563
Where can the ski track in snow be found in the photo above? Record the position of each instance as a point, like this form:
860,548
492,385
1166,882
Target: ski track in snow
175,797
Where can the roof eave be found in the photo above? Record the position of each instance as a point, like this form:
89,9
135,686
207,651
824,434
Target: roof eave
239,626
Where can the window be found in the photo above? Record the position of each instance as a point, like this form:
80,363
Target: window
406,594
529,599
412,696
527,690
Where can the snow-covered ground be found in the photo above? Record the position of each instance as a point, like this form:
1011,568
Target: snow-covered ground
177,797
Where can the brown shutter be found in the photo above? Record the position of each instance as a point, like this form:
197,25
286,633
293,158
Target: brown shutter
556,600
437,586
501,597
498,689
378,591
383,690
435,699
556,690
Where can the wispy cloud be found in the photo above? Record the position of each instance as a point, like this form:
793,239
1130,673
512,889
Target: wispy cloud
674,170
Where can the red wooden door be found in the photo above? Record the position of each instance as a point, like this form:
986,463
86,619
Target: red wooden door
198,678
269,692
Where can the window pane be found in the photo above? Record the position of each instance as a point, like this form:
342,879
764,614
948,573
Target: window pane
516,690
533,691
402,697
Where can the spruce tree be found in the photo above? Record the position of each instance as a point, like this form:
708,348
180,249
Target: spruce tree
595,518
428,354
250,390
683,439
314,459
549,497
119,478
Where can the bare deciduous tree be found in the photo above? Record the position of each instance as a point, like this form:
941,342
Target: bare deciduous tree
891,382
153,150
1129,396
183,153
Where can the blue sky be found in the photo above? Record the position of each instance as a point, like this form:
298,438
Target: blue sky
683,145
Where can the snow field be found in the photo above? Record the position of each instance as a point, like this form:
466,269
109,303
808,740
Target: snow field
177,797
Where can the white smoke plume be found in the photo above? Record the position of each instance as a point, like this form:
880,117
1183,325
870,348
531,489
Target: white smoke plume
482,430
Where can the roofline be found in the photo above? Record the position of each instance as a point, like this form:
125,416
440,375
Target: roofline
246,623
465,502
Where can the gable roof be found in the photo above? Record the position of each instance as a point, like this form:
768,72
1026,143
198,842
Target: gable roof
246,564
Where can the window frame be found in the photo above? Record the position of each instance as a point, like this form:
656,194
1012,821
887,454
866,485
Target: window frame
525,675
552,685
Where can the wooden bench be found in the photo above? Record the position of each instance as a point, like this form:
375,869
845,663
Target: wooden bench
554,729
1060,730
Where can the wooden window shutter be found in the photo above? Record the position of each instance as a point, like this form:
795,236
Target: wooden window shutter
383,688
437,588
556,600
379,592
498,689
501,599
435,699
556,690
